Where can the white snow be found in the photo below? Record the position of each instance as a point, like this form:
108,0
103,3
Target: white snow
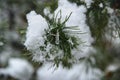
46,11
77,72
36,27
35,31
109,10
113,67
101,5
18,68
112,33
7,53
37,24
1,43
78,18
88,2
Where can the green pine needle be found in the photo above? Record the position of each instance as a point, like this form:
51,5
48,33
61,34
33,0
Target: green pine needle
62,38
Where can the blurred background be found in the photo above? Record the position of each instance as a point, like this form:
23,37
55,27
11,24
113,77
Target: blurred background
13,25
16,62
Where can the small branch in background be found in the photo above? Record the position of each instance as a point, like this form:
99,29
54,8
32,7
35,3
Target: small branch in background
11,16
